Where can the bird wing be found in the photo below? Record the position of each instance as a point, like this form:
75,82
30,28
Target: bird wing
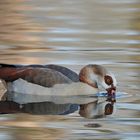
42,76
65,71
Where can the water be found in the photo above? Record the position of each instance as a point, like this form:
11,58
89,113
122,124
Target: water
74,33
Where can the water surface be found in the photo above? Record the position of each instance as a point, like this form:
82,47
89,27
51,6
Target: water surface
74,33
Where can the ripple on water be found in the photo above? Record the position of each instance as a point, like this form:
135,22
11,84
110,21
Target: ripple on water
74,33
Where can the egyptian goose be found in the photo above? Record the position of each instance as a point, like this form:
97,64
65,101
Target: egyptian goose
50,75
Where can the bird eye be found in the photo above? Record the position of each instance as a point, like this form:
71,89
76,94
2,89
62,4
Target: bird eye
108,80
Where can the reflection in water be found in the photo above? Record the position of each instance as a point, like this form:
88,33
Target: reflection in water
49,108
89,106
74,33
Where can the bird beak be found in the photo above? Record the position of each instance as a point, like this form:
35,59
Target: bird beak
111,94
112,99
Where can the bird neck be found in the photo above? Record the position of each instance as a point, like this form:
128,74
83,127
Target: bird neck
88,76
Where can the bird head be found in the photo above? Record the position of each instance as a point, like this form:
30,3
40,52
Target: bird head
97,75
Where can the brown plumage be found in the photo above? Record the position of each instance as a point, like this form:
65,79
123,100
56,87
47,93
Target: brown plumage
42,75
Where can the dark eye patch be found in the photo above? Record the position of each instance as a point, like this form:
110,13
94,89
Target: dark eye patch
108,80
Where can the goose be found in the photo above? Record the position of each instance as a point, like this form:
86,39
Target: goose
92,75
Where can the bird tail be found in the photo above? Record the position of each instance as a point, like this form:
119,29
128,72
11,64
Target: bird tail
2,65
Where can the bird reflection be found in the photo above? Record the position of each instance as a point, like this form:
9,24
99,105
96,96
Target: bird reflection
39,108
87,110
49,108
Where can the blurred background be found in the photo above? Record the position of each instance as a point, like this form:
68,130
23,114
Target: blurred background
74,33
